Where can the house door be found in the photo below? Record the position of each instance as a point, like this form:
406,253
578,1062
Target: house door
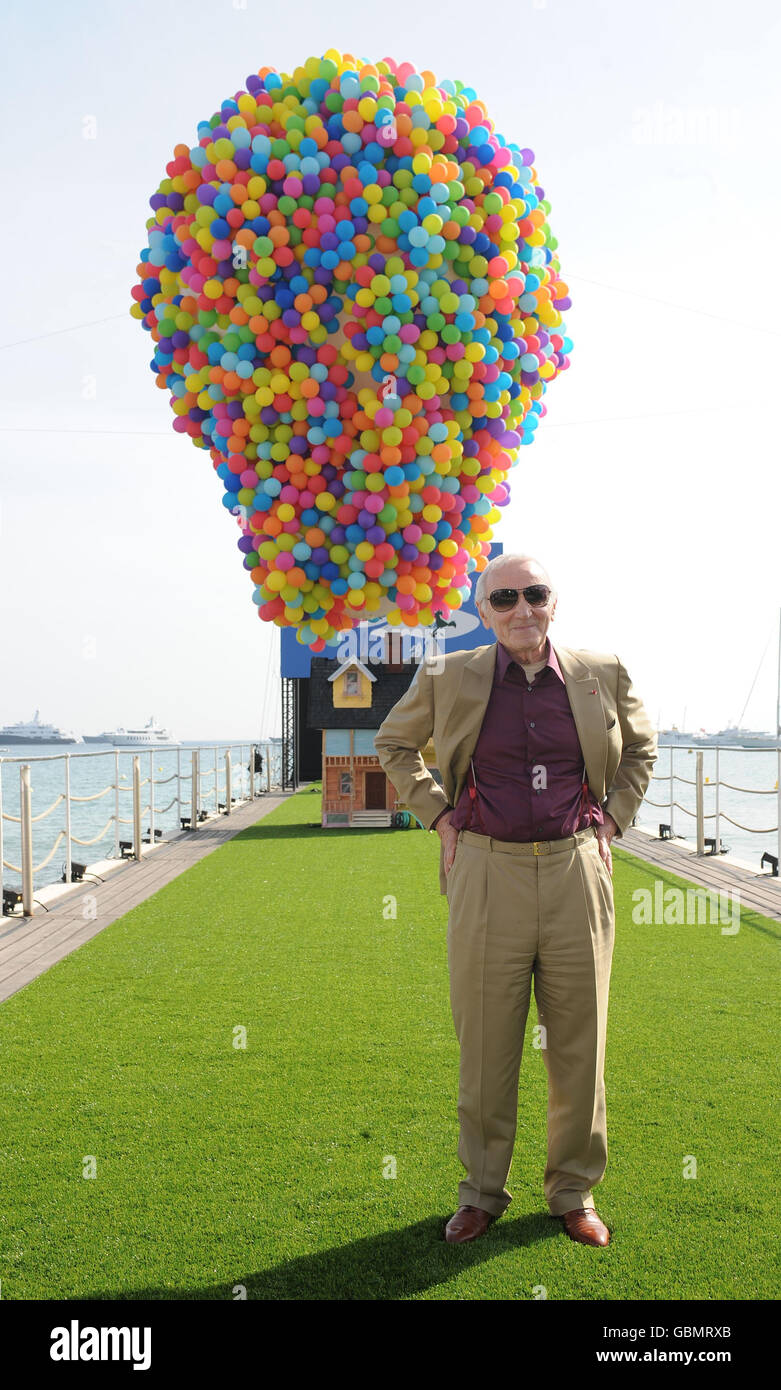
375,791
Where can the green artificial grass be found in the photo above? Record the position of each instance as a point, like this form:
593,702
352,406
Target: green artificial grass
264,1167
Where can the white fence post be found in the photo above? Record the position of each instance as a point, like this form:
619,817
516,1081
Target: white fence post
68,849
195,791
778,809
718,812
25,812
151,798
136,807
228,782
116,803
700,809
672,795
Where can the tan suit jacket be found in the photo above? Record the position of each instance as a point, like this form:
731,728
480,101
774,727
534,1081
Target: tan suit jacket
447,701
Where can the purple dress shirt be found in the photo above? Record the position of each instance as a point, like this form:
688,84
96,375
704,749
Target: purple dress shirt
528,764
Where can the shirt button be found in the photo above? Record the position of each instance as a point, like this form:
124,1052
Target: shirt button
531,726
528,687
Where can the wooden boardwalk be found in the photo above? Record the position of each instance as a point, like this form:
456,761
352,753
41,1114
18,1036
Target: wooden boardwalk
30,945
757,890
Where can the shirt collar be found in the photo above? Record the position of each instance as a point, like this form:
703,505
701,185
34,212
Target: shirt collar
503,659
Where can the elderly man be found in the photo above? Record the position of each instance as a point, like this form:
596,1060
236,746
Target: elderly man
545,755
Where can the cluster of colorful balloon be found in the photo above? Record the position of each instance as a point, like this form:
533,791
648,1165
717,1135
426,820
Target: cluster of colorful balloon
356,305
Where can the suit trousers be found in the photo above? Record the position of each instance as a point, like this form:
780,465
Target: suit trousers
515,915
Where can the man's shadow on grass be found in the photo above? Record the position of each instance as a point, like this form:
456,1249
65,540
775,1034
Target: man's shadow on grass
392,1265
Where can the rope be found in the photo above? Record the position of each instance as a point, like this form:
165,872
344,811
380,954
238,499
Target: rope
96,796
77,841
756,791
43,814
49,856
750,828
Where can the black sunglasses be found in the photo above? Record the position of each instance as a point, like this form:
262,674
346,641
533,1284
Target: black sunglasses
536,595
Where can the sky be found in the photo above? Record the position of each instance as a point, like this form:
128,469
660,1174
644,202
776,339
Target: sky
651,493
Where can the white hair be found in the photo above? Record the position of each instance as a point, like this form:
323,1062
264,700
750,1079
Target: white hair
487,577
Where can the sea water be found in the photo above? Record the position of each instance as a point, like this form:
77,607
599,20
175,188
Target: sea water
92,770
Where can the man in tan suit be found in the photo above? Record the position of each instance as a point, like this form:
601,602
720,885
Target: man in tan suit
545,754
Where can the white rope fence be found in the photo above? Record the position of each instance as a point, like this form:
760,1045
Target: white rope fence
191,812
700,815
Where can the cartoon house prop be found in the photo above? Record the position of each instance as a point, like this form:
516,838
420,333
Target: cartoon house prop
348,701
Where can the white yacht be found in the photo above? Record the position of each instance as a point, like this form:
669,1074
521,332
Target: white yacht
742,738
34,731
151,734
678,738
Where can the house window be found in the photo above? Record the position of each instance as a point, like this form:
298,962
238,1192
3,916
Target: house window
351,683
345,784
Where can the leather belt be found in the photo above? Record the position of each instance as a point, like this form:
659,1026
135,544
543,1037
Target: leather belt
530,847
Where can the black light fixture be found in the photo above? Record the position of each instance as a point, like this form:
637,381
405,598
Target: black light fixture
77,873
772,860
11,900
665,833
184,821
126,849
158,836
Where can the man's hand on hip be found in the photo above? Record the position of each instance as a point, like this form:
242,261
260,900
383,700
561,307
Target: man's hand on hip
605,834
448,834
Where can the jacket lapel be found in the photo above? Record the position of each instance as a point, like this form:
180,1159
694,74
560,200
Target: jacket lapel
585,700
470,699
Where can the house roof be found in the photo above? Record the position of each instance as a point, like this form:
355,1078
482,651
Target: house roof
386,691
352,661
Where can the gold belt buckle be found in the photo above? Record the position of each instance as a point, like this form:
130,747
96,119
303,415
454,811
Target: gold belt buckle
538,846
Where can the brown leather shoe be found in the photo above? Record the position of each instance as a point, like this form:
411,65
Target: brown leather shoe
584,1225
467,1224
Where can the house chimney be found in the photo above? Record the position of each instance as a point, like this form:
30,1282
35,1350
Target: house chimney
393,658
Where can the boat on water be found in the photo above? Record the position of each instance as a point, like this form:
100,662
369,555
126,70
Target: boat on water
678,738
151,734
735,735
731,737
741,738
35,731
